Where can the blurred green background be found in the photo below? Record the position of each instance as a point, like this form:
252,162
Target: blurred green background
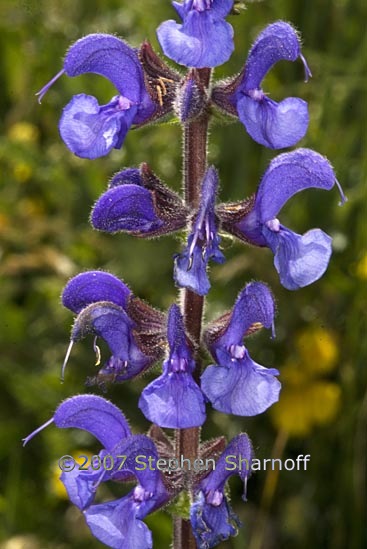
45,198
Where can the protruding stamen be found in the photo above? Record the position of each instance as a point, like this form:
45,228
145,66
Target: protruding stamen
308,73
244,495
256,94
34,433
124,103
66,361
344,199
97,350
191,261
98,482
237,351
214,497
201,5
140,494
273,333
45,88
273,225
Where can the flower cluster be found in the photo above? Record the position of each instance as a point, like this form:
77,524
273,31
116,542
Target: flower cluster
139,203
119,523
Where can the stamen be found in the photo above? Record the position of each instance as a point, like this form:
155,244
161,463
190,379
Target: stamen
273,333
65,361
124,103
98,482
344,199
256,94
273,225
97,350
45,88
191,261
34,433
308,73
237,351
244,496
140,494
214,497
160,95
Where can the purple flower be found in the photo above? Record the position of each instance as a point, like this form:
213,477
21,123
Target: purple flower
275,125
138,203
106,308
174,399
212,518
203,242
299,259
91,130
115,523
236,384
204,39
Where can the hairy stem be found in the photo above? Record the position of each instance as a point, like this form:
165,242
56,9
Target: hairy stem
194,166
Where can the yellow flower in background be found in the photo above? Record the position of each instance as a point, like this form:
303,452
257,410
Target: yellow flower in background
361,270
317,350
23,132
56,486
308,400
22,172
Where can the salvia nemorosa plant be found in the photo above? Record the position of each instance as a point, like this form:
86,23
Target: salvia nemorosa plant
139,203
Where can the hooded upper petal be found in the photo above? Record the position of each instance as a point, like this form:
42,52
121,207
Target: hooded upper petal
254,304
204,39
288,174
93,286
96,415
126,208
139,203
111,322
278,41
110,57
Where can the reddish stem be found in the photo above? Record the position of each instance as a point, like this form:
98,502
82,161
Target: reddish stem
194,166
